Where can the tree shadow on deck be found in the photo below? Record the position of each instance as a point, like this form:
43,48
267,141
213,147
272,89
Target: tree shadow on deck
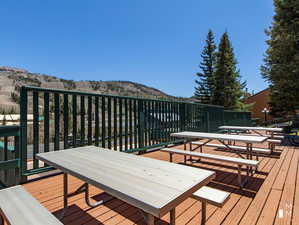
228,181
114,211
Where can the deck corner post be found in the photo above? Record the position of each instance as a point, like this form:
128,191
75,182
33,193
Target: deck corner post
23,132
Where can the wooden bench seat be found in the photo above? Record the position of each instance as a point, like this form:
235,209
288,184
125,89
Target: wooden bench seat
274,141
234,147
211,196
237,161
275,136
18,207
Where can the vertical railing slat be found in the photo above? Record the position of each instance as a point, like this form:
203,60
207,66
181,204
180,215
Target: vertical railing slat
135,124
109,123
35,105
74,99
5,151
152,121
89,117
82,116
103,102
46,122
145,109
131,124
57,121
126,124
120,110
65,121
115,124
140,124
17,156
97,121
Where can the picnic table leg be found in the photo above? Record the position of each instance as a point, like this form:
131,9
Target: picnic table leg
185,148
239,176
190,148
172,217
149,219
170,157
249,152
65,195
65,190
1,219
203,212
247,157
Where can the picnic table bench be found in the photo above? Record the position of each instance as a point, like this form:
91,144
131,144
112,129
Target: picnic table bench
18,207
238,161
257,151
208,195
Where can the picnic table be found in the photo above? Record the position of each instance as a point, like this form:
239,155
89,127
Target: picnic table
249,140
255,130
155,187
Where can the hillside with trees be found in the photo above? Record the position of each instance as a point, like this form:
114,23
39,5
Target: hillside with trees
11,79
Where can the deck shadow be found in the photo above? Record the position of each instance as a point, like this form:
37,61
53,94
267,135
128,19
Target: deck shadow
130,212
250,189
73,212
78,215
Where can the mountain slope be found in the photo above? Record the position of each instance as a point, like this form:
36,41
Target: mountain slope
11,79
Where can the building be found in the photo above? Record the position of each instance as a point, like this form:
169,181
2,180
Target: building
260,101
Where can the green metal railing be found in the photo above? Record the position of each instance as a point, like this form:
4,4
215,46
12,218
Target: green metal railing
130,124
234,118
9,155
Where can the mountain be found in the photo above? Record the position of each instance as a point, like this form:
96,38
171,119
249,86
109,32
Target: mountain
11,79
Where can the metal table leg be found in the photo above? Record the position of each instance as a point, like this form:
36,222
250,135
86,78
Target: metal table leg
203,212
149,219
172,217
82,189
1,220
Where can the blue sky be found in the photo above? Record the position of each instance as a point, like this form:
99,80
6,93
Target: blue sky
154,42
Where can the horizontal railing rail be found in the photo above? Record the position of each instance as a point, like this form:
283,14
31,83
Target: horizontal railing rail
9,155
66,119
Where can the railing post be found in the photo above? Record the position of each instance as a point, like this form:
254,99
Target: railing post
23,134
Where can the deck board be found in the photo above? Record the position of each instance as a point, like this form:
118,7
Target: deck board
275,187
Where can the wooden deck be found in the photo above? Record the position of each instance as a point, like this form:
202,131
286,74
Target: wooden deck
270,197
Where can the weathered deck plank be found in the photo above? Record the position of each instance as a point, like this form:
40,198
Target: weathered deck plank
274,187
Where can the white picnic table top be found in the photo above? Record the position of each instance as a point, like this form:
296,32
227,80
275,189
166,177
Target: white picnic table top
152,185
272,129
221,137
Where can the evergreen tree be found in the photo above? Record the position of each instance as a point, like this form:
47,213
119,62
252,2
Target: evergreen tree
205,82
228,87
281,62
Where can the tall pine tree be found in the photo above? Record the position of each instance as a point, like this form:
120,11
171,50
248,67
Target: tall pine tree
228,88
281,62
205,82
